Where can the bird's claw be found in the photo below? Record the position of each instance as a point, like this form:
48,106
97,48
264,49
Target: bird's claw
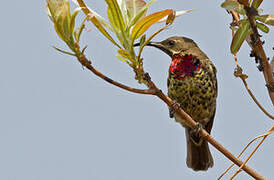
198,129
195,133
173,108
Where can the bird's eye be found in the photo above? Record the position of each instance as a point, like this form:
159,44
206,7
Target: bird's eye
171,43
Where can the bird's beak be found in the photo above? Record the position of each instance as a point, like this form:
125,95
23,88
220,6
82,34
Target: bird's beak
158,45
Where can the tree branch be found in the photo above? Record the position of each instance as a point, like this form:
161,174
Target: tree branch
260,143
258,49
267,71
86,63
239,73
153,90
204,134
264,136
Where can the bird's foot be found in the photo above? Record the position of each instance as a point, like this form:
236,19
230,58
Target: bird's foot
173,108
198,129
195,134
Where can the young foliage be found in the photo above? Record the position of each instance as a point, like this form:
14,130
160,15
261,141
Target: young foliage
141,26
64,22
233,6
127,20
239,37
244,27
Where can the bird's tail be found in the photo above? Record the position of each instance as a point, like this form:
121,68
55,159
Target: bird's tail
198,157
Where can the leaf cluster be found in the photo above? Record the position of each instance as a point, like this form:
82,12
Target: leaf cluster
244,29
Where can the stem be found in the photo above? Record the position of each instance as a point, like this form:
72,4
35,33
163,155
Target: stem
264,136
204,134
259,50
237,172
238,73
255,100
86,63
153,90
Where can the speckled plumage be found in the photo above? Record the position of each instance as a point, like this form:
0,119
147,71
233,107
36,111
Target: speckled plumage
196,93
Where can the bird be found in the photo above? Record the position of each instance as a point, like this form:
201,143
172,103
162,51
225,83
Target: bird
192,84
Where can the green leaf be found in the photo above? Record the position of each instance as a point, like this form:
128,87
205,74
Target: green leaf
267,19
233,28
124,11
262,27
59,33
54,5
99,26
73,16
60,24
116,14
125,54
49,14
142,25
63,19
239,37
142,40
78,32
233,6
135,6
256,3
140,14
122,59
111,20
64,52
89,12
59,12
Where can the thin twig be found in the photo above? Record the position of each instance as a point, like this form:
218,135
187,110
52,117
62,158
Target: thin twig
86,63
238,73
263,135
153,90
239,169
259,50
157,92
255,100
204,134
237,19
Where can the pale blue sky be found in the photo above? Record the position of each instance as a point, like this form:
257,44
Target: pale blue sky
60,122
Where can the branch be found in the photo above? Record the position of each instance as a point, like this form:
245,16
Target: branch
153,90
204,134
264,137
242,76
86,63
259,50
239,73
255,100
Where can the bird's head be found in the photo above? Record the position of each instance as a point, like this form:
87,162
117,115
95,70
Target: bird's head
174,45
180,49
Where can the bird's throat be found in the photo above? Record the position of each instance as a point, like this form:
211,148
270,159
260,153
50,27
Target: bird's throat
183,66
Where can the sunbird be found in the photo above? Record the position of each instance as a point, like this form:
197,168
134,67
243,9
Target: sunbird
192,84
